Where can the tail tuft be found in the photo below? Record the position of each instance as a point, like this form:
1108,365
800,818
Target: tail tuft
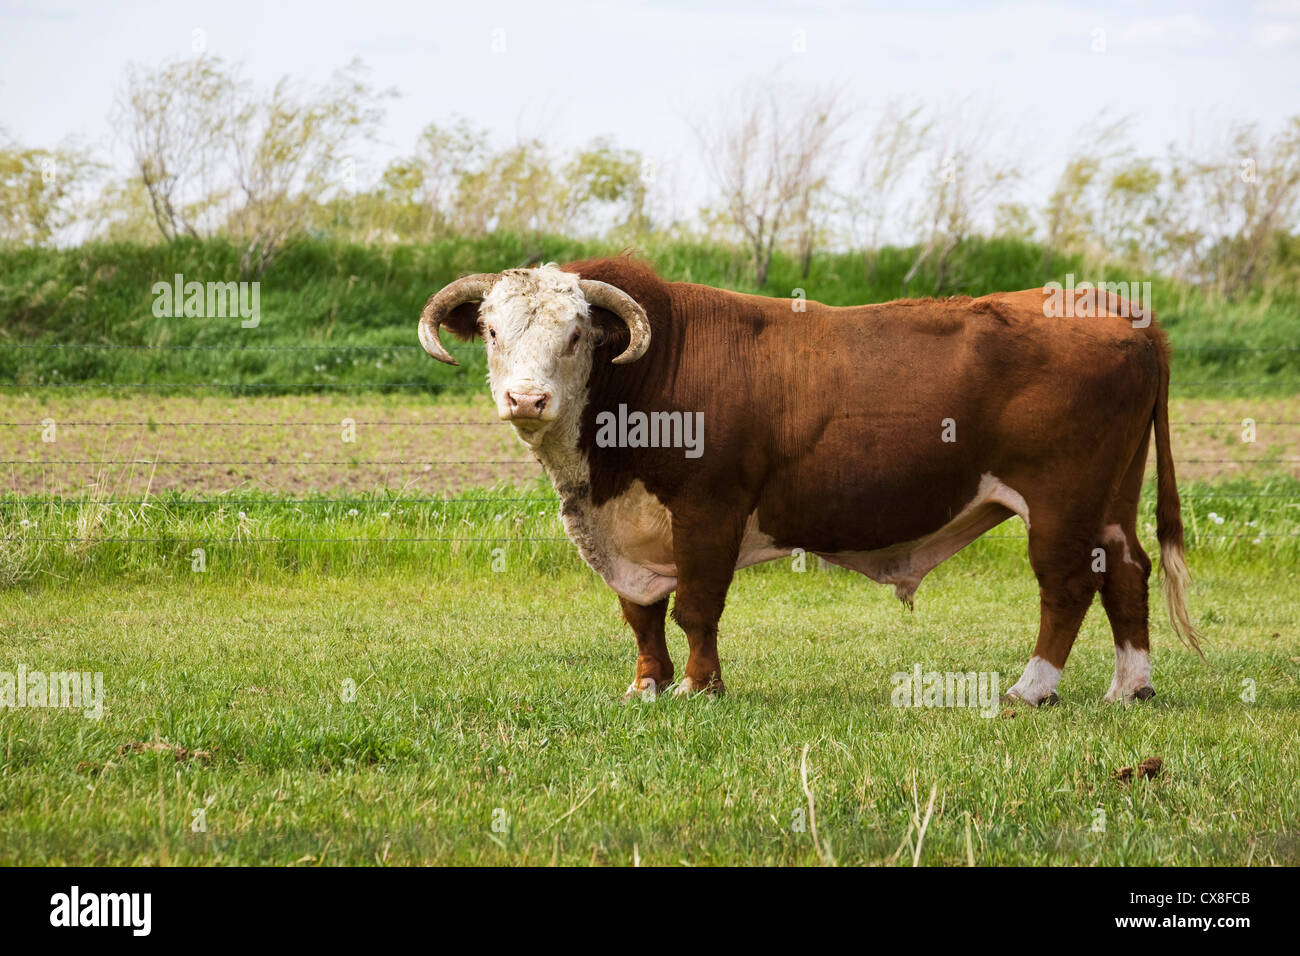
1174,579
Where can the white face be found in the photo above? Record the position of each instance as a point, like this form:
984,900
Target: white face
539,338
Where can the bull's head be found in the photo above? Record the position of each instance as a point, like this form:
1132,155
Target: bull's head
540,328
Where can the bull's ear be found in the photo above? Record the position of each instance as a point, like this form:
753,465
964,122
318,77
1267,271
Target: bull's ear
611,332
462,321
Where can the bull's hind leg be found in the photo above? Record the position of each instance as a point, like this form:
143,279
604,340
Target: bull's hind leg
1124,589
1124,596
1060,551
654,668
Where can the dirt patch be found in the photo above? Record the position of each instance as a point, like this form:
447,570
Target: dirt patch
1210,438
162,747
1148,769
130,446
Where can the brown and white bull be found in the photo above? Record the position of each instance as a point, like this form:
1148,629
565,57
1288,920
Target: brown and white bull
883,438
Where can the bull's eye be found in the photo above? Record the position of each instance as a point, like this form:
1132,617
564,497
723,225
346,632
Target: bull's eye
573,342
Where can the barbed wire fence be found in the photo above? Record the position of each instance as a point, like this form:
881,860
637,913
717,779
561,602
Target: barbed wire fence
438,502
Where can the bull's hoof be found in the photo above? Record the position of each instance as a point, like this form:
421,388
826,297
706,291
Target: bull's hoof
645,689
690,688
1142,693
1013,697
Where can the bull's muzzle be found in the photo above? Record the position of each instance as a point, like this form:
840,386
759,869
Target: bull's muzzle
527,405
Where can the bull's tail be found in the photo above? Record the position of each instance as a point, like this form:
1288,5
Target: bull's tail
1174,577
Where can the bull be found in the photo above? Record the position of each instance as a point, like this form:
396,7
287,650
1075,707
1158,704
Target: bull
883,438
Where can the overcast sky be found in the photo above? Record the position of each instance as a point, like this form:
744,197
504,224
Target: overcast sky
640,71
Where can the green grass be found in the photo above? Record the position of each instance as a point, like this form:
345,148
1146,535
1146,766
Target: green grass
488,662
46,541
482,693
338,317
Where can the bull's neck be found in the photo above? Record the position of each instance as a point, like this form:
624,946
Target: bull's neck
564,461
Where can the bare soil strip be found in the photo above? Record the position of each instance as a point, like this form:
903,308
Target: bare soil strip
131,446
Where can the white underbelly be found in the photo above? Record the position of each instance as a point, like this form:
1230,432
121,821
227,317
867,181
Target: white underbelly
628,541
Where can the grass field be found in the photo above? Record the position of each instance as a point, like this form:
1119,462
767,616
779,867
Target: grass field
317,650
488,665
487,698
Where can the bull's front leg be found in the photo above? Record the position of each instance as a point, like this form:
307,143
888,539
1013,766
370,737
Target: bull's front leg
654,668
705,555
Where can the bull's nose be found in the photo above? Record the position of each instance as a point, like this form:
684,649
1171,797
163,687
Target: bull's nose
527,404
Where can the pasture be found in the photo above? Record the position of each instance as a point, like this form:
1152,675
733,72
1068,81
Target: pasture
329,644
407,663
279,588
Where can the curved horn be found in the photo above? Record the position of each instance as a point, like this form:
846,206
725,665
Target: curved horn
626,308
469,289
